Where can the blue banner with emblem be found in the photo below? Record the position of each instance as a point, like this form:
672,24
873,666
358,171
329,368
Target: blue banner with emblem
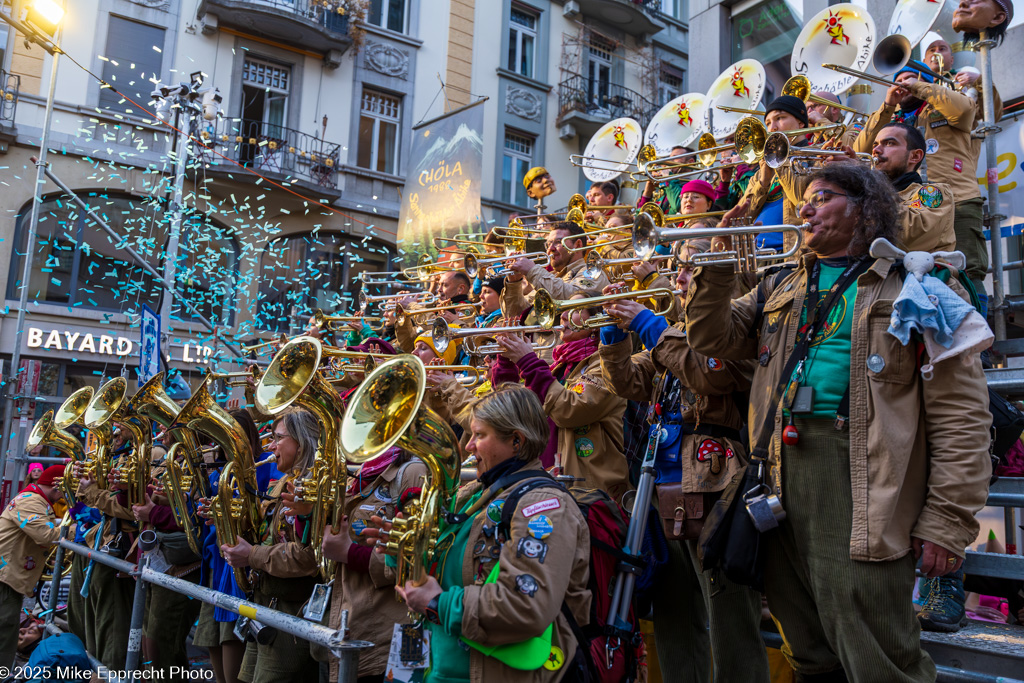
442,189
149,345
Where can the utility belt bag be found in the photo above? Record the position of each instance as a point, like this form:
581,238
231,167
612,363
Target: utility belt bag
683,513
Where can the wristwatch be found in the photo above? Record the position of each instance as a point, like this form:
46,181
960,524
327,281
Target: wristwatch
430,612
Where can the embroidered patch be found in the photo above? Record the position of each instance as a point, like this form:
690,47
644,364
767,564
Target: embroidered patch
357,526
715,364
494,510
542,506
383,493
30,563
958,165
581,431
938,124
584,448
532,548
916,204
527,585
540,527
930,196
710,449
773,322
577,388
764,355
371,508
931,146
555,660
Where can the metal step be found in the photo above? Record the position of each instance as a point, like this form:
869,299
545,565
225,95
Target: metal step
981,648
994,564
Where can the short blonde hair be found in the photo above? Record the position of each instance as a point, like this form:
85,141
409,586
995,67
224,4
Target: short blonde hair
514,408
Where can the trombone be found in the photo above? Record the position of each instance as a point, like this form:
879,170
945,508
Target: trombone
597,266
748,112
475,265
578,201
648,233
748,141
444,336
469,381
426,263
778,152
283,339
365,299
237,379
477,246
548,309
401,314
799,86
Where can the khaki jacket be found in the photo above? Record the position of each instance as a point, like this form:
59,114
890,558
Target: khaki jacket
370,598
589,420
560,286
106,502
918,450
500,613
281,553
793,186
707,399
28,528
947,120
926,214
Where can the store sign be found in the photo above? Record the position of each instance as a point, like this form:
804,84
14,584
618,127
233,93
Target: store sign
53,340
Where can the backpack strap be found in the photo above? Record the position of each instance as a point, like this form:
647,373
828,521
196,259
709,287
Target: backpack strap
777,275
492,490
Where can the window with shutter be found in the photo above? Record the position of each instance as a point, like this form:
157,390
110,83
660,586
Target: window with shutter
131,64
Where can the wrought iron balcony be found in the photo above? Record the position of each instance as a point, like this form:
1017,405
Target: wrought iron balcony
280,152
10,85
635,17
588,104
311,24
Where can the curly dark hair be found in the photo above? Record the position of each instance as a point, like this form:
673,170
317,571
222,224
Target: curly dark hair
872,195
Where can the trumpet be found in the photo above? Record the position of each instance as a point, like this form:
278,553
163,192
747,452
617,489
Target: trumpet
548,309
778,152
749,142
322,320
444,336
401,314
474,266
648,233
799,86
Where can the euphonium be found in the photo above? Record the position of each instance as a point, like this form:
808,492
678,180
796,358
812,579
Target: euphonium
387,410
233,515
173,479
293,378
152,401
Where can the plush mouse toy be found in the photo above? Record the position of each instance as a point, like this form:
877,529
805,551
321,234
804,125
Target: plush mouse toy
950,326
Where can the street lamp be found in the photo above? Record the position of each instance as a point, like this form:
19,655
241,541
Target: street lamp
41,22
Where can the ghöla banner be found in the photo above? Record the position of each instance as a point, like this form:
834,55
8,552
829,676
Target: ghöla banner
442,191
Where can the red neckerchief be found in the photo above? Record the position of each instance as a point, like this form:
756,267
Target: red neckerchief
34,488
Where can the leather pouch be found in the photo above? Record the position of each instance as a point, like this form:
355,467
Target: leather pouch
683,514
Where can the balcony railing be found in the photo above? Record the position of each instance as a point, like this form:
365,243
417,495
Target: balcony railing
11,84
652,7
314,24
270,148
601,101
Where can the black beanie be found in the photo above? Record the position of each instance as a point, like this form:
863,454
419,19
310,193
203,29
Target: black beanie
790,105
495,283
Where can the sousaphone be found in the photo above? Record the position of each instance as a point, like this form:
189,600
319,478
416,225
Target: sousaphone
842,34
611,151
677,124
910,23
740,87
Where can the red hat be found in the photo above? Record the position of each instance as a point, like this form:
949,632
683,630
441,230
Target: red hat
50,475
701,186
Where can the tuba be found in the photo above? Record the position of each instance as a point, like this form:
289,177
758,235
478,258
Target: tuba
294,378
176,485
235,508
107,408
151,401
387,410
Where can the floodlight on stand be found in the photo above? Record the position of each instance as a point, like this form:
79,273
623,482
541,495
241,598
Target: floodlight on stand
211,104
44,15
